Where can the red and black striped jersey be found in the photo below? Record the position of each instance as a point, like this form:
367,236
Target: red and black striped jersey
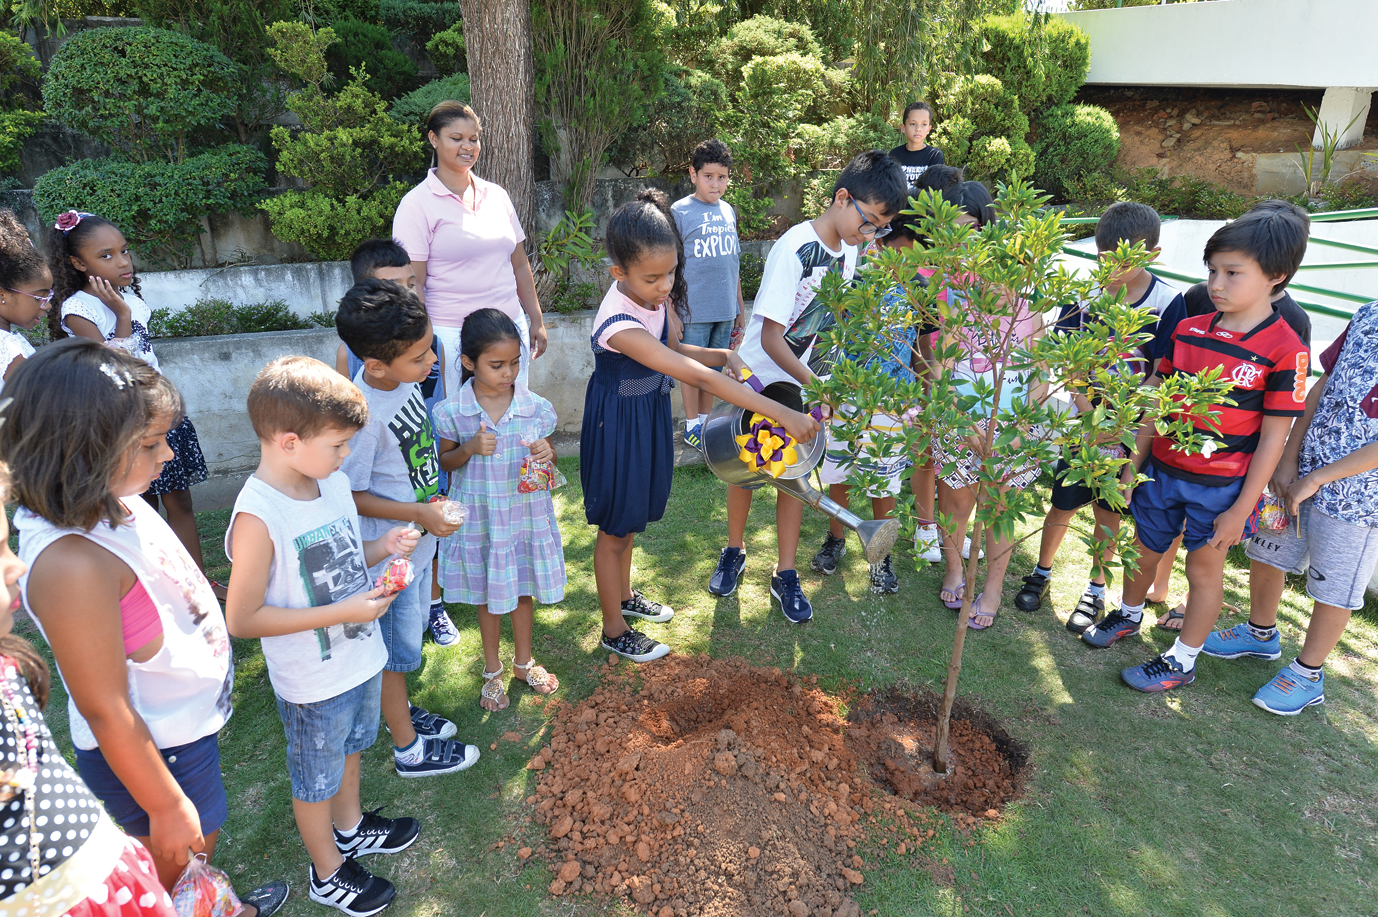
1268,367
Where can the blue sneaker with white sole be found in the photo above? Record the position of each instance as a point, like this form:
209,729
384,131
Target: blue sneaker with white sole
1239,641
785,589
1290,692
1161,673
693,436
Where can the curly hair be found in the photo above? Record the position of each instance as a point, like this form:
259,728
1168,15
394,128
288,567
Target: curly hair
62,246
20,262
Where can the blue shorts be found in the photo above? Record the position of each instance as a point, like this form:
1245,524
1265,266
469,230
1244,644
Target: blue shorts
708,334
1162,504
404,623
321,735
196,768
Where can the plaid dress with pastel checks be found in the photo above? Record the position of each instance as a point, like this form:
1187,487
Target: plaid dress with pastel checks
509,544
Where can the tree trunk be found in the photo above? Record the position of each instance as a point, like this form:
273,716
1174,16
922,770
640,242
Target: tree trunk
954,662
497,39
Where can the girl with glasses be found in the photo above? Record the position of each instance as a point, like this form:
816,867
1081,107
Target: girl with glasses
26,290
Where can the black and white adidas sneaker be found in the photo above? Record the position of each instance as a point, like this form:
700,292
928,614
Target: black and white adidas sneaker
353,890
376,834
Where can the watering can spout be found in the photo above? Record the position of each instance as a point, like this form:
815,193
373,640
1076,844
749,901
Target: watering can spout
721,451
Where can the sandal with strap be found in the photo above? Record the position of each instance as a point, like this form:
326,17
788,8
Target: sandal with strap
537,678
493,691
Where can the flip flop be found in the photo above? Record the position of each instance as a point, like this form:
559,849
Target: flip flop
267,898
1175,614
971,620
957,591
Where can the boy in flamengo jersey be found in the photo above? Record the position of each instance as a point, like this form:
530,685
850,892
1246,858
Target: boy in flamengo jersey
1214,492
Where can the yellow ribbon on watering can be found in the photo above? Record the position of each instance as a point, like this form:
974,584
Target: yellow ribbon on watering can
767,447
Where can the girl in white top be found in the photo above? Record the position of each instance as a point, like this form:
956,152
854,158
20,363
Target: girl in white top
136,631
26,289
97,297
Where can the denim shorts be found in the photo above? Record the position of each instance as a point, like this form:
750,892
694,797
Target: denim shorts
196,768
1163,504
321,735
404,623
708,334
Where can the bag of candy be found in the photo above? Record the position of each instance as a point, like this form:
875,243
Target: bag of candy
204,891
539,476
1272,512
453,512
396,576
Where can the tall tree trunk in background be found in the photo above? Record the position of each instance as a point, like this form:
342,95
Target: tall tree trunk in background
497,40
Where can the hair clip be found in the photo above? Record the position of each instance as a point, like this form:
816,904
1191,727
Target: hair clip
66,222
118,375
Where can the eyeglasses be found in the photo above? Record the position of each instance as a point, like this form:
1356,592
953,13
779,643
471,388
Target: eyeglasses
46,300
868,228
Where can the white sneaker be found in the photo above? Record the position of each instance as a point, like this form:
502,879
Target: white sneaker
928,543
966,550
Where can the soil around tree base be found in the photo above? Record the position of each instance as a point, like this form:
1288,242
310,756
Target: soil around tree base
695,787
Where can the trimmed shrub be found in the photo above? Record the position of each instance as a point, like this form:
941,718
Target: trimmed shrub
148,93
158,205
419,20
331,228
761,36
833,144
17,123
414,107
363,44
1073,140
689,110
446,50
972,116
220,316
688,32
1044,65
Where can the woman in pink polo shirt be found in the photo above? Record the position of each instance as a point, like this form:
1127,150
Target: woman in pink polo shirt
465,243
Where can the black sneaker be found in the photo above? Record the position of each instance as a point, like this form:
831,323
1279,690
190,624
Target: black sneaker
376,834
828,556
785,589
636,646
723,582
1036,586
1087,612
443,756
638,606
352,889
883,578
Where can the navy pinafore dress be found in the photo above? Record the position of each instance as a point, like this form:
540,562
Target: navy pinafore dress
627,446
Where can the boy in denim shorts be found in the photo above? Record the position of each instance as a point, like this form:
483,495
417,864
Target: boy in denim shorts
301,584
1214,493
394,471
1329,477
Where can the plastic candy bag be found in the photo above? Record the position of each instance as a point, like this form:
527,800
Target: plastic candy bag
453,512
396,576
1272,513
539,476
735,340
204,891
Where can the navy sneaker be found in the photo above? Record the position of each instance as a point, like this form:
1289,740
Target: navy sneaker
638,606
1161,673
1087,612
693,436
442,628
723,582
352,889
828,556
1115,627
443,756
1239,641
636,646
785,589
376,834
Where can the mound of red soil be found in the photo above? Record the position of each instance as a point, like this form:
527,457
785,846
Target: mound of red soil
698,788
893,732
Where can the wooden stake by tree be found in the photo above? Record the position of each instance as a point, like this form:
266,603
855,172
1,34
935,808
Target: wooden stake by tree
497,39
983,281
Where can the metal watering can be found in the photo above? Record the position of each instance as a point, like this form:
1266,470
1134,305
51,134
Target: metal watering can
720,449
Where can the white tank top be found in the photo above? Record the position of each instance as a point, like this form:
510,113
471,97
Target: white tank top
182,692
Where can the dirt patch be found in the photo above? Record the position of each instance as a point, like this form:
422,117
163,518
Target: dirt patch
892,734
704,788
1210,133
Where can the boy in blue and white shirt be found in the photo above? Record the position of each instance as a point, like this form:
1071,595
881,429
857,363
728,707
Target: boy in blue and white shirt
1328,476
712,269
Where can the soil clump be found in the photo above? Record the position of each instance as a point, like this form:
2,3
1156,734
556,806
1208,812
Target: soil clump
698,787
892,734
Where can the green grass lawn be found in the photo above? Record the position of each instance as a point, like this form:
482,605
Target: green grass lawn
1194,803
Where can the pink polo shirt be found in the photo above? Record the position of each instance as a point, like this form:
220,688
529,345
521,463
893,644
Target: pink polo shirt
468,251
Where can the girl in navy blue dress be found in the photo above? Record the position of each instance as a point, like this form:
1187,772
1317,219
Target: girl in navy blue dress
626,450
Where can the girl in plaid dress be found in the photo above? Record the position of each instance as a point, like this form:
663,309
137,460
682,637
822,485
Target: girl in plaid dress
507,553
